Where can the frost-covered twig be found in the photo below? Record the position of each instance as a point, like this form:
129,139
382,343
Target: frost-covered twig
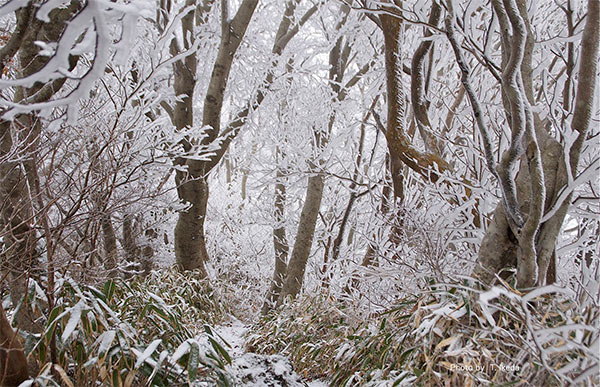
509,199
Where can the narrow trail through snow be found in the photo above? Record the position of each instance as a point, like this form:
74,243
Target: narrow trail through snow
233,332
254,370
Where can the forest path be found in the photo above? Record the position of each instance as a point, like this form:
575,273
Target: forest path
233,331
254,370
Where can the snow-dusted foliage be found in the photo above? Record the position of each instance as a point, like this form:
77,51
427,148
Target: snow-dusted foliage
99,32
155,329
406,179
449,333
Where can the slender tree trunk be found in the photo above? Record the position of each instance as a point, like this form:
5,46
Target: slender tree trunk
370,257
280,245
337,242
338,60
245,173
228,170
304,238
132,250
111,253
399,145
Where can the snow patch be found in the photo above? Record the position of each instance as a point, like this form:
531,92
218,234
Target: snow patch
252,369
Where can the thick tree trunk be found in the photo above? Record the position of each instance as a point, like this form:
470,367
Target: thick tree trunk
17,160
13,363
192,186
19,239
190,245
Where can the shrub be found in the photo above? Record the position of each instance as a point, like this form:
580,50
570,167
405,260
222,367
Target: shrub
153,331
450,334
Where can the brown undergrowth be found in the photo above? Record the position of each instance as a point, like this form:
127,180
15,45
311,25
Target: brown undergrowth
451,335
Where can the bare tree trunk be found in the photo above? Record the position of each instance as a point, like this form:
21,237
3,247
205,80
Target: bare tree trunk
19,181
147,250
190,245
402,153
132,251
304,238
193,186
555,174
19,239
246,173
419,86
111,253
139,256
527,222
370,258
338,60
399,145
280,245
337,242
101,199
13,363
190,249
228,170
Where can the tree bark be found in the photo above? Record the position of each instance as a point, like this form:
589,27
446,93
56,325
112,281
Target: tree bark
19,181
190,249
304,238
111,253
132,251
280,245
401,151
337,242
501,249
338,60
19,239
190,224
13,363
190,244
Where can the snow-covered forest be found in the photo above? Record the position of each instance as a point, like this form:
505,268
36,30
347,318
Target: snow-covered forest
299,192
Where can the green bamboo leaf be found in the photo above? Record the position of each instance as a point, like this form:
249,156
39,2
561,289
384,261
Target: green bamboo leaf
161,358
53,318
109,289
116,377
418,372
219,348
193,361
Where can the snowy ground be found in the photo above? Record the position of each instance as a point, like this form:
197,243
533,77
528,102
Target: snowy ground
251,369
